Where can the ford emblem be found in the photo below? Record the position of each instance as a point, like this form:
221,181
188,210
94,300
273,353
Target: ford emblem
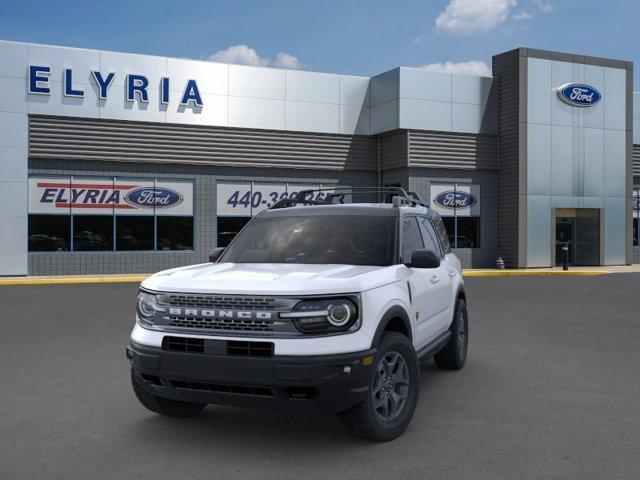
579,94
149,197
451,200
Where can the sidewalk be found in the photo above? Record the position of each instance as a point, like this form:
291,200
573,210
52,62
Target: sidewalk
139,277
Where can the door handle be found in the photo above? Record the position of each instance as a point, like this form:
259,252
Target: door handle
435,279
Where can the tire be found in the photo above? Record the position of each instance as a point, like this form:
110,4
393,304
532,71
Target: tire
368,419
454,353
164,406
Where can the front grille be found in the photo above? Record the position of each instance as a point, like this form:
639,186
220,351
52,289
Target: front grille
250,349
184,312
224,388
183,344
221,301
227,324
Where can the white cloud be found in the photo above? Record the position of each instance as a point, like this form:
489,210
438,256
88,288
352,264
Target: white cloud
545,6
245,55
464,17
473,67
286,60
522,15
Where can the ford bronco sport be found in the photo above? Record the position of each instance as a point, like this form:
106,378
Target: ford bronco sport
314,306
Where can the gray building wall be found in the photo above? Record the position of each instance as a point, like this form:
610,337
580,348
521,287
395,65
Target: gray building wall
420,181
205,179
415,159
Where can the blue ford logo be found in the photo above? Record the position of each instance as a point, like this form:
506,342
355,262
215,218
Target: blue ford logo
579,94
149,197
451,200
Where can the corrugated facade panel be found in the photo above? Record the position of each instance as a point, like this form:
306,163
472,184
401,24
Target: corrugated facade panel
506,71
452,150
394,150
636,160
64,138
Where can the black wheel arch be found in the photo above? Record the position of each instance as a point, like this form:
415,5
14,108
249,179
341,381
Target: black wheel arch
395,319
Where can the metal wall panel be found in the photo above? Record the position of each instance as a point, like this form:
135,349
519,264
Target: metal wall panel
506,69
394,150
452,150
58,138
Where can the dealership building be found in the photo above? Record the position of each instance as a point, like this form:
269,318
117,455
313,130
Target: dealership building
117,162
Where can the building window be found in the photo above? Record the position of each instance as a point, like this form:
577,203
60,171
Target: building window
109,214
49,233
459,207
175,233
92,233
635,232
134,233
468,232
228,228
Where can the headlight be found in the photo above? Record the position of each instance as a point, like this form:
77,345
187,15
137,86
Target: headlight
147,306
328,315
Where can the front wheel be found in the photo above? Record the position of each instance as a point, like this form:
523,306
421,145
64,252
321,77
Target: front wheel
393,392
454,353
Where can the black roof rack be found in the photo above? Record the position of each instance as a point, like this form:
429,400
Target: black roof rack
397,196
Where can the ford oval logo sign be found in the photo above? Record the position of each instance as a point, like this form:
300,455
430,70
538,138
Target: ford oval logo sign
579,94
453,200
149,197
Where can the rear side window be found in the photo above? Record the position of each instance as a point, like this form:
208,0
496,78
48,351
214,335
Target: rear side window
430,238
411,238
442,234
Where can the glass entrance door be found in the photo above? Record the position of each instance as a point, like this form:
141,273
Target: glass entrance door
565,231
579,230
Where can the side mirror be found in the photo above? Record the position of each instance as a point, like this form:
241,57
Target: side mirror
215,254
424,259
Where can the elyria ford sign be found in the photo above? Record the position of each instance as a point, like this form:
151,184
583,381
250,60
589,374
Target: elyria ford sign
578,94
452,199
136,86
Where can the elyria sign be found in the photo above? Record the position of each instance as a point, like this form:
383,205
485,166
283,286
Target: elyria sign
451,200
578,94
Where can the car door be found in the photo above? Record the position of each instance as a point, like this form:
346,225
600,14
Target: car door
427,285
448,272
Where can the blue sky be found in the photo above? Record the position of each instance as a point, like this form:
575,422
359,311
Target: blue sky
352,37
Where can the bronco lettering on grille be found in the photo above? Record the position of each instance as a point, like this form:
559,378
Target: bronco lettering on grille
214,313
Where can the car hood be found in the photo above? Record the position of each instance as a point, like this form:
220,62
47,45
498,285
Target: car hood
271,278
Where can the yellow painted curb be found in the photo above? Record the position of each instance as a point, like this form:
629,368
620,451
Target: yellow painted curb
62,280
533,273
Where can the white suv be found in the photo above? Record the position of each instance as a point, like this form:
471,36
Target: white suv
313,306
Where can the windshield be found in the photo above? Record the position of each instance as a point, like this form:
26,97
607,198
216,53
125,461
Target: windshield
323,239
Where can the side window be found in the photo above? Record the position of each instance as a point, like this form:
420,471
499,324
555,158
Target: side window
411,238
429,236
442,234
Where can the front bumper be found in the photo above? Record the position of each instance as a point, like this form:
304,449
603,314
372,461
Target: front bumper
322,383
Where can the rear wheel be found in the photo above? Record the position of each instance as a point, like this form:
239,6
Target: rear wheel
454,354
164,406
392,395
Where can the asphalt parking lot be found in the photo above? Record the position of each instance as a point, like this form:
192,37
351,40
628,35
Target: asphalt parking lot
551,390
